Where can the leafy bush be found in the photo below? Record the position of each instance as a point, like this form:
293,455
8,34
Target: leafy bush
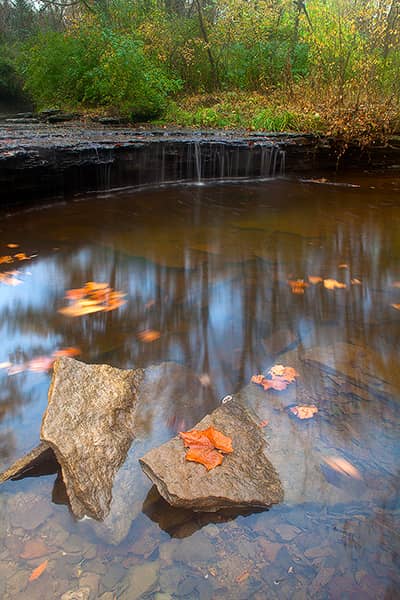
91,66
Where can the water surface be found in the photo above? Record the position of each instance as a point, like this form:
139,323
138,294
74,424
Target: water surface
208,268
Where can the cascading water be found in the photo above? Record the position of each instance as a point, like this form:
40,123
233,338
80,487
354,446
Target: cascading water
166,161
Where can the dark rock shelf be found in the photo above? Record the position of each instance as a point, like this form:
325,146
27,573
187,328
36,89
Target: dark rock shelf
45,159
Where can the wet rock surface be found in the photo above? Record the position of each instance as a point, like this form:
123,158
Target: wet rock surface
56,159
246,478
89,424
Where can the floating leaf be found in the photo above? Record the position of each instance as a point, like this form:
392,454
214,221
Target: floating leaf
36,573
332,284
148,335
6,260
343,466
40,364
304,412
12,245
343,266
355,281
297,285
278,378
242,577
21,256
204,445
396,306
314,279
263,423
93,297
70,351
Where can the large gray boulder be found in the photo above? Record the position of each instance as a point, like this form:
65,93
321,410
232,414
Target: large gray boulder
246,478
89,424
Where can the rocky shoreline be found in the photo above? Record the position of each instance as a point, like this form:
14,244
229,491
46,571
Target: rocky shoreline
59,157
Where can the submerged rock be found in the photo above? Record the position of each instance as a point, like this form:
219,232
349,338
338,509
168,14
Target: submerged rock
246,477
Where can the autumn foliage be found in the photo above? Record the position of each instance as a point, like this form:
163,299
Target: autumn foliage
278,378
206,446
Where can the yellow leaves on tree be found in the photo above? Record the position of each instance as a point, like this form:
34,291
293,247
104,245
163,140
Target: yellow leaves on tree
278,378
204,445
93,297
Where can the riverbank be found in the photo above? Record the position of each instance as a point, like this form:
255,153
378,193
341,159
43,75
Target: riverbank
60,155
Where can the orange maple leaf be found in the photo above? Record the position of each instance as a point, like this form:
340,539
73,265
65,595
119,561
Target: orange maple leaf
36,573
204,445
304,412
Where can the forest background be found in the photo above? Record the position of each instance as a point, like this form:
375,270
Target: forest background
330,66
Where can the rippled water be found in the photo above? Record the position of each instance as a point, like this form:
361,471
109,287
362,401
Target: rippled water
208,267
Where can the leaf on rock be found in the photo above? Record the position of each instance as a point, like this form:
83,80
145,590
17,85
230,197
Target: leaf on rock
304,412
36,573
204,445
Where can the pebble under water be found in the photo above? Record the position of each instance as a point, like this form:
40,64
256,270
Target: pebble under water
226,280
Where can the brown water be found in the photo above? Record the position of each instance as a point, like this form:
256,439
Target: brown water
208,268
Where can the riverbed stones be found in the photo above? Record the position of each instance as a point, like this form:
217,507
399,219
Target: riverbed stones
89,424
246,478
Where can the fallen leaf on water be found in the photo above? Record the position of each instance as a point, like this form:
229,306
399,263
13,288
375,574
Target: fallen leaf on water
148,335
205,380
297,285
93,297
304,412
314,279
343,266
204,445
12,245
355,281
40,364
6,260
396,306
70,351
21,256
36,573
15,369
242,577
8,278
343,466
263,423
332,284
278,378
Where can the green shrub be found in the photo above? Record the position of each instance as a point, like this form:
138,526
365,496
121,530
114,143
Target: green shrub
90,66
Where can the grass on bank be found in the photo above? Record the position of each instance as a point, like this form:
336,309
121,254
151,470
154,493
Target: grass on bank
301,111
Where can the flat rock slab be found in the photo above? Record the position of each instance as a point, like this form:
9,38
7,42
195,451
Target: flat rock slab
89,424
246,478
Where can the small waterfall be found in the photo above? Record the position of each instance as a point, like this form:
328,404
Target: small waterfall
197,159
